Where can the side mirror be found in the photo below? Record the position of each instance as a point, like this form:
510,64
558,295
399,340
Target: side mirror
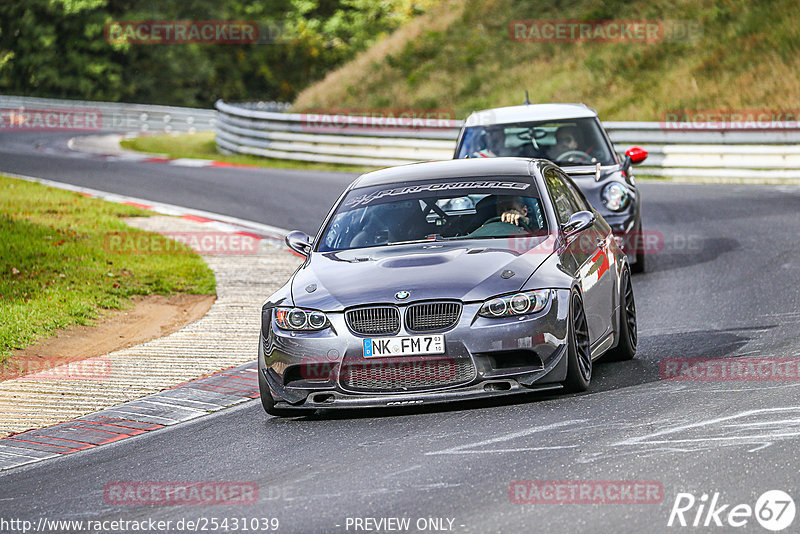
578,222
300,242
634,154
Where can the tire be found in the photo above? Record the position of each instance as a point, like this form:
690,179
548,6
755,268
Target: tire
269,403
579,356
628,335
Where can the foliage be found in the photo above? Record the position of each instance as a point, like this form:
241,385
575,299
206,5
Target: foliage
714,55
57,48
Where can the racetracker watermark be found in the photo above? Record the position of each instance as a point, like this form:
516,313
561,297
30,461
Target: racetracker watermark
730,369
208,243
180,493
602,31
586,492
97,368
51,119
636,242
405,371
396,119
730,119
159,32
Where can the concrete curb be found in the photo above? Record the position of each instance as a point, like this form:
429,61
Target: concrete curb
194,399
225,338
107,146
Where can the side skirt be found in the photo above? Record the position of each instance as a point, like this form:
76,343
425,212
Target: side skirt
601,346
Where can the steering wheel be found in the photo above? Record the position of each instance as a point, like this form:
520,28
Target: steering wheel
499,219
574,156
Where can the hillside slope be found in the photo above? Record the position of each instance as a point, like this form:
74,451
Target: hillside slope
743,55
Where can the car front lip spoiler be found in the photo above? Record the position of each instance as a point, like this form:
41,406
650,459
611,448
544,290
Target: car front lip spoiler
485,389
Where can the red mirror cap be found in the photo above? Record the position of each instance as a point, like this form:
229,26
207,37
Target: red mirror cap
637,154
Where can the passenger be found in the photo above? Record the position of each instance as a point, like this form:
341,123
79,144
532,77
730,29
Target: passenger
495,139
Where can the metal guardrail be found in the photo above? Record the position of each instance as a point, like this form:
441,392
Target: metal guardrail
674,150
301,137
264,129
45,114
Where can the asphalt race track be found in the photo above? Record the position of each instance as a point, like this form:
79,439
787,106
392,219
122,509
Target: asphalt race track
724,286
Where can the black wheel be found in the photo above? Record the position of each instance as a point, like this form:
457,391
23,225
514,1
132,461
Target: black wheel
269,403
626,346
579,356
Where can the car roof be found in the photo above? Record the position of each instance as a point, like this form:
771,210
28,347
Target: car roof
529,112
453,168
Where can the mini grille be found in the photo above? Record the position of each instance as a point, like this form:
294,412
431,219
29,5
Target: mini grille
378,320
407,375
431,316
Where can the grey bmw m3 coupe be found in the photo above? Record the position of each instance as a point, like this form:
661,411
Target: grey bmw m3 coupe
444,281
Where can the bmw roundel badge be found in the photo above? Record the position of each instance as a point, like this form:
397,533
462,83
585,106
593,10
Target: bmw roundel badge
402,295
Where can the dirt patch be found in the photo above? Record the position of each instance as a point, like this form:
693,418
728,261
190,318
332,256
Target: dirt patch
151,317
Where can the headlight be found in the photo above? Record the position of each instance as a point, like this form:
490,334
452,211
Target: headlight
522,303
300,319
615,196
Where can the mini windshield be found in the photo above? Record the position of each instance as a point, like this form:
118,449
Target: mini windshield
564,142
451,210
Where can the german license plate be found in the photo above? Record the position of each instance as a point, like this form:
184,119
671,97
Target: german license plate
403,346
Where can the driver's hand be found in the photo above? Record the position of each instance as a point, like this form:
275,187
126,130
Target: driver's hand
514,217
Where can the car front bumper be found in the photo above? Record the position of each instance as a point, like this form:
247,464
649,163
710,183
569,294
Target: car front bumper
500,356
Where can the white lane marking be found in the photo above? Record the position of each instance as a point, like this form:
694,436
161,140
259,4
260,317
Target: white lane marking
159,207
460,449
521,449
412,468
647,439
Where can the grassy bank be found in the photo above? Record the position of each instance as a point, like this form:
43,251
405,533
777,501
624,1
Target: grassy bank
201,145
740,55
59,268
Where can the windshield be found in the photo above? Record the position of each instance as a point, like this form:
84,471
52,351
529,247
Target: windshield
564,142
434,211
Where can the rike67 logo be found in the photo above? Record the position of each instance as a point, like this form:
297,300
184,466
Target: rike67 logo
774,510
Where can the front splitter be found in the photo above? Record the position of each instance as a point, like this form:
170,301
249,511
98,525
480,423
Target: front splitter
483,390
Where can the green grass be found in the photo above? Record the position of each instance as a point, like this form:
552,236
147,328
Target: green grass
201,145
745,54
59,268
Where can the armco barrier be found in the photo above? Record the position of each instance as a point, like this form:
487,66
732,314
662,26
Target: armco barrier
263,129
46,114
675,151
293,136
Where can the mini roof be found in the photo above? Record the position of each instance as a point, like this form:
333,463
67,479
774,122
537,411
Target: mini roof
529,112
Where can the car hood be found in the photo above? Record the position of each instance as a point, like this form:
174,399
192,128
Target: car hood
335,280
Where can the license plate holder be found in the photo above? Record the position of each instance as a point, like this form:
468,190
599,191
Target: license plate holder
383,347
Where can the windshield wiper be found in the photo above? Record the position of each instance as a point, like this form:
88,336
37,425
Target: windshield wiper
434,237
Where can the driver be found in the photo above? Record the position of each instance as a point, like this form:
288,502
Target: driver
513,210
566,141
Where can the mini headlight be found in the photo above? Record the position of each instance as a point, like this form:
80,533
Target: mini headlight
615,196
523,303
300,319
